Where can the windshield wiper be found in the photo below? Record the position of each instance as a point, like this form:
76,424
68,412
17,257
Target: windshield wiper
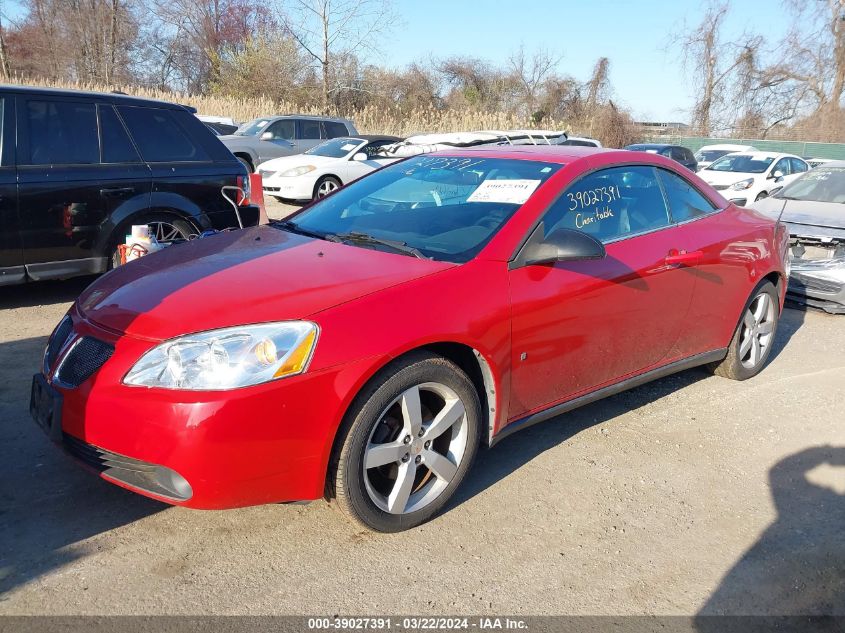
364,238
287,225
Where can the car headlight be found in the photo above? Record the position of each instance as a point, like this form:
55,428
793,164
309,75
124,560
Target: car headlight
228,358
743,184
297,171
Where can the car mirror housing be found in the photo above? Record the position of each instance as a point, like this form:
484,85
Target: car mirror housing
360,157
266,136
561,245
777,174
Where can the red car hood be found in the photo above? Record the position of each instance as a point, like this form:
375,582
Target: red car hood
250,276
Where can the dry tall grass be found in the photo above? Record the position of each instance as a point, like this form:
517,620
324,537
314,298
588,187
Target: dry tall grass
369,120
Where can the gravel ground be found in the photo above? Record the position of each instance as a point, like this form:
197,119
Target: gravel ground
692,494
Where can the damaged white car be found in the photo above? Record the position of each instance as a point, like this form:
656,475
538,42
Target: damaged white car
813,208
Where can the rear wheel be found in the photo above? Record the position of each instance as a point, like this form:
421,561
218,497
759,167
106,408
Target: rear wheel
165,228
754,337
325,186
410,440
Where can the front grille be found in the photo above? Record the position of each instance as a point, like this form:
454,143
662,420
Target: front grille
142,475
85,357
56,343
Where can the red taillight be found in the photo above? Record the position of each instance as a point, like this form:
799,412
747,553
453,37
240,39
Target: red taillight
243,183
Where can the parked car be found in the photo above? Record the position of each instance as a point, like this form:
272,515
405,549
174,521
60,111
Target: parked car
77,169
271,137
709,153
220,125
364,348
748,177
813,209
677,153
325,168
816,162
580,141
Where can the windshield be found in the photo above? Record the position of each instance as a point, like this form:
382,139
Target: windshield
710,155
445,207
335,148
743,163
822,184
252,128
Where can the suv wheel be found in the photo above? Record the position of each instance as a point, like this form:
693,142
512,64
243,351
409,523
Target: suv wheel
165,228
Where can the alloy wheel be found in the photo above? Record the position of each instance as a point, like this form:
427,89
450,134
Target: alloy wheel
415,448
166,232
758,326
326,187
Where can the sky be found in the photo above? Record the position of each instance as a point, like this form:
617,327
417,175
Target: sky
646,73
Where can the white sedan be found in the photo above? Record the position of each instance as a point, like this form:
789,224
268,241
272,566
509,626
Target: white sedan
749,176
324,168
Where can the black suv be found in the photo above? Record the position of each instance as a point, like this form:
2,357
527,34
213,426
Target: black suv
77,169
675,152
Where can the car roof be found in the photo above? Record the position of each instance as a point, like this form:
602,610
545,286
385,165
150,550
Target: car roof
742,148
310,117
652,145
758,155
114,97
561,154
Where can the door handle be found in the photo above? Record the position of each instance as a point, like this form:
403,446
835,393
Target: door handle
676,257
118,192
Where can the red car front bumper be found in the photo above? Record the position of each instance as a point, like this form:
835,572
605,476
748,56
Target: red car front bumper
263,444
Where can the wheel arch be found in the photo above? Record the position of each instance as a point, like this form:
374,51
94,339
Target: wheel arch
471,361
247,156
119,222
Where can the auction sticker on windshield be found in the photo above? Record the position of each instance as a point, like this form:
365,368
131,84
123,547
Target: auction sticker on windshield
506,191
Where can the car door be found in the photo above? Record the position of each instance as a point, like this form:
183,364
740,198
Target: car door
309,133
11,251
60,178
577,326
281,142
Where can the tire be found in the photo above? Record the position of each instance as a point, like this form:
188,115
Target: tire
179,229
760,196
752,342
247,164
404,488
325,186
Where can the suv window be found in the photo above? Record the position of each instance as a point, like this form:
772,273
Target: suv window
283,128
62,133
685,201
115,145
310,129
335,129
159,136
782,166
611,204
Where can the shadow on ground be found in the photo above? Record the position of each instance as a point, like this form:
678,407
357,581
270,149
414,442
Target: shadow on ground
797,567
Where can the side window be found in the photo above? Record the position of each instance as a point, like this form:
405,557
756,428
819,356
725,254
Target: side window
335,129
159,137
62,133
611,204
798,166
283,128
685,201
678,154
782,166
373,148
309,129
115,145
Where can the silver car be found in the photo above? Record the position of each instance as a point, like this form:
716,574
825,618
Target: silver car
274,136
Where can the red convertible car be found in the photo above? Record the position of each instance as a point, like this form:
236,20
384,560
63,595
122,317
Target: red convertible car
366,347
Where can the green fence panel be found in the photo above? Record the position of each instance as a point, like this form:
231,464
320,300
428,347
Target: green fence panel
834,151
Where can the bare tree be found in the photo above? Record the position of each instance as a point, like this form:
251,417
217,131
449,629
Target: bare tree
531,74
5,71
329,29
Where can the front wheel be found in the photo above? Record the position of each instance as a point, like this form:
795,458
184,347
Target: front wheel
325,186
754,337
409,442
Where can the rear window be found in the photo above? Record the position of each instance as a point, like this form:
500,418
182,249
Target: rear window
335,129
160,137
62,132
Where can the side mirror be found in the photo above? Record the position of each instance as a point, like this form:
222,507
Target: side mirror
360,157
777,175
266,136
562,245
